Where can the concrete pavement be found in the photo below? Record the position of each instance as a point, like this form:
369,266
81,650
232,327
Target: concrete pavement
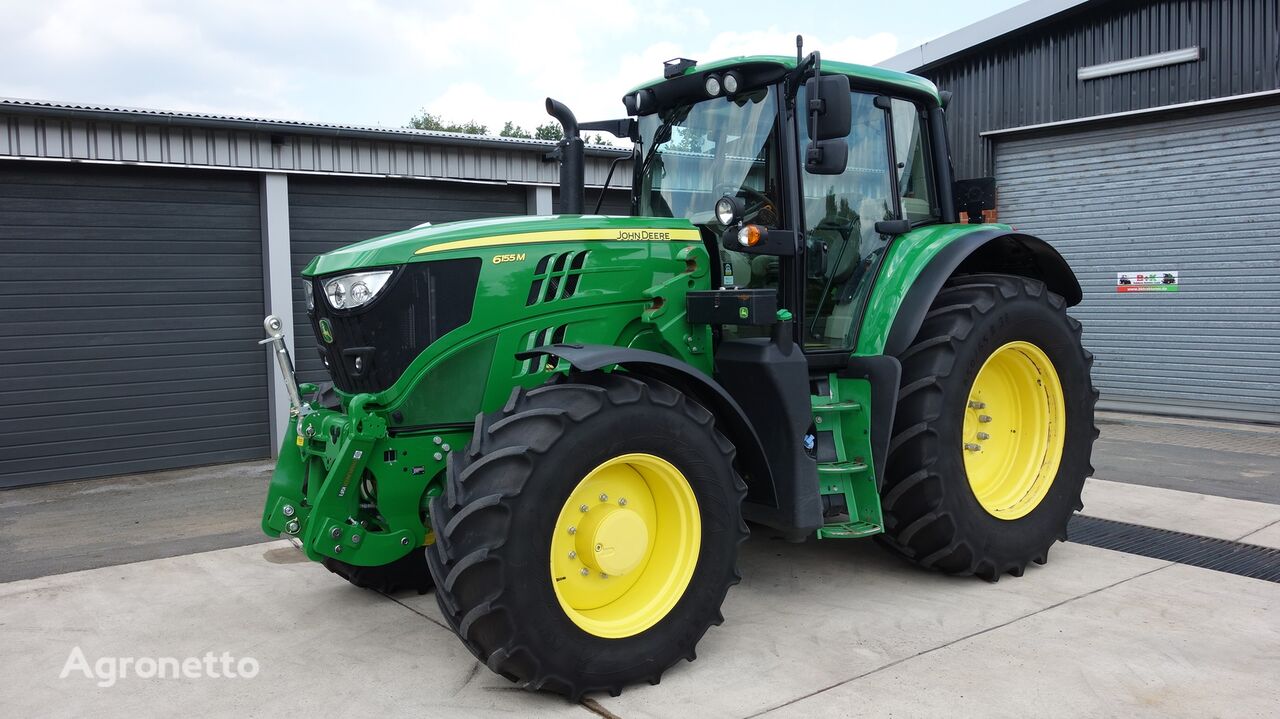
817,629
60,528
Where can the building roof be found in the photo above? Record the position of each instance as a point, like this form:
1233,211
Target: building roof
1004,23
88,111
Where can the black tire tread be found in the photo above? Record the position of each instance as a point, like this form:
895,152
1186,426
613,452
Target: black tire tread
494,469
410,572
910,494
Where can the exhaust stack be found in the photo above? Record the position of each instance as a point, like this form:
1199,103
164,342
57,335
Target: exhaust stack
571,159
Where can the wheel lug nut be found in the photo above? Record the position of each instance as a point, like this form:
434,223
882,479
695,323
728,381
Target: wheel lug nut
975,404
622,501
984,418
599,547
573,530
983,435
604,497
573,554
583,508
585,571
972,447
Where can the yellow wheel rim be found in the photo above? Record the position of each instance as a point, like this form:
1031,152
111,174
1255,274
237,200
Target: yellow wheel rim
1014,428
625,545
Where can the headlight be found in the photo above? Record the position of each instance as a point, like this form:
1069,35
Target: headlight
713,85
354,290
310,294
730,83
727,210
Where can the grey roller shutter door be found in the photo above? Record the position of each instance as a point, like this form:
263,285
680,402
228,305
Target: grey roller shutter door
326,213
1199,195
130,304
616,202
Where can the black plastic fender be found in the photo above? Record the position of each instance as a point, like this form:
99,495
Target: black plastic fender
993,250
732,420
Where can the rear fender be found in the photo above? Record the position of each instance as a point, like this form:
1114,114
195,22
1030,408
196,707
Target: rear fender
919,263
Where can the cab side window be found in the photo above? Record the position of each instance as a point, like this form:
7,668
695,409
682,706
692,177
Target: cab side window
914,168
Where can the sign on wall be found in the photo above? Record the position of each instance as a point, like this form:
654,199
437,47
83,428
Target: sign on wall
1147,281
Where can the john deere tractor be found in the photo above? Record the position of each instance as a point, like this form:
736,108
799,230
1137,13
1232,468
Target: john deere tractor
568,423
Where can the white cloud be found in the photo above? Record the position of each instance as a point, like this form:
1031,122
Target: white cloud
371,61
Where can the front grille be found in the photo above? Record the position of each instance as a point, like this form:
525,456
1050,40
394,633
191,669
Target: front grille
421,302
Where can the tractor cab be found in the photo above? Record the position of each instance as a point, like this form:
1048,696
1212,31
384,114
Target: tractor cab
797,179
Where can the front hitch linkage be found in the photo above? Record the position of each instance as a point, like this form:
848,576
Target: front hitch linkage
275,337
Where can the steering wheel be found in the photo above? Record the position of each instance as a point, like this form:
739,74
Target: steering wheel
755,199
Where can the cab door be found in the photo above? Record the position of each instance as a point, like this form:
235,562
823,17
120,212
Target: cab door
887,172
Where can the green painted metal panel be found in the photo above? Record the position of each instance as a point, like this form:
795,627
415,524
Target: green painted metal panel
912,83
905,260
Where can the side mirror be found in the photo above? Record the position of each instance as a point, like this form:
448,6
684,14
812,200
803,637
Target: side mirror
830,107
826,157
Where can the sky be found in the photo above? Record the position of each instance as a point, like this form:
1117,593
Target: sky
379,62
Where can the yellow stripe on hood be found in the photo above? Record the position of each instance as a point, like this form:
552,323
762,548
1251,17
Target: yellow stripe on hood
606,235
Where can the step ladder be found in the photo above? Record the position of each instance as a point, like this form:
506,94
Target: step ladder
850,476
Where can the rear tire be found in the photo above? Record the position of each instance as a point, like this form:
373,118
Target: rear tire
509,493
933,512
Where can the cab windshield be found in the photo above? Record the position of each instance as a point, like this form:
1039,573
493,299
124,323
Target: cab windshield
694,154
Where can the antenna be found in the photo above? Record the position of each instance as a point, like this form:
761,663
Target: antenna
799,48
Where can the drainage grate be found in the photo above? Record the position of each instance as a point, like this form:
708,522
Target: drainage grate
1223,555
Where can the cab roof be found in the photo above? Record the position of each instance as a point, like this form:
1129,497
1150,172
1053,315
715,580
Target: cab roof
911,84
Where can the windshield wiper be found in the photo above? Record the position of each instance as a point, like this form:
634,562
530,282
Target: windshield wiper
662,135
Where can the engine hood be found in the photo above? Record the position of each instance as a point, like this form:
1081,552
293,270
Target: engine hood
471,238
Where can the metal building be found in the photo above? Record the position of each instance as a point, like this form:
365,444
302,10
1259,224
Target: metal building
140,250
1139,137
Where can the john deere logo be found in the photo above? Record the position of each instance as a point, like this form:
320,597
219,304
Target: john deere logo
326,331
743,313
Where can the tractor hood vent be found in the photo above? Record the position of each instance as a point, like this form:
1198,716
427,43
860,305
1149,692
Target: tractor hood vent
556,277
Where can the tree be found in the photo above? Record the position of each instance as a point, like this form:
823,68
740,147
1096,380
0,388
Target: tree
549,131
428,121
510,129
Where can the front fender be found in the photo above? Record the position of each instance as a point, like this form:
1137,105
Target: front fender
917,264
730,417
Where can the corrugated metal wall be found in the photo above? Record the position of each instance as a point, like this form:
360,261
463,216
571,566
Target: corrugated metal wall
177,144
327,213
132,304
1199,195
1031,78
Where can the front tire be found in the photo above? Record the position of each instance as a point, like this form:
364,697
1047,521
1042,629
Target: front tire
408,573
994,429
588,535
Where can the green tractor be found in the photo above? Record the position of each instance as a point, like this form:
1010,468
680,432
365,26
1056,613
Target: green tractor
566,424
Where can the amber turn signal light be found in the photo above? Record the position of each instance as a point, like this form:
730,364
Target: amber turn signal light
750,236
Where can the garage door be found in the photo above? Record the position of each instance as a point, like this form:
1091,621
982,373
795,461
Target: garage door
131,303
616,202
328,213
1199,196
